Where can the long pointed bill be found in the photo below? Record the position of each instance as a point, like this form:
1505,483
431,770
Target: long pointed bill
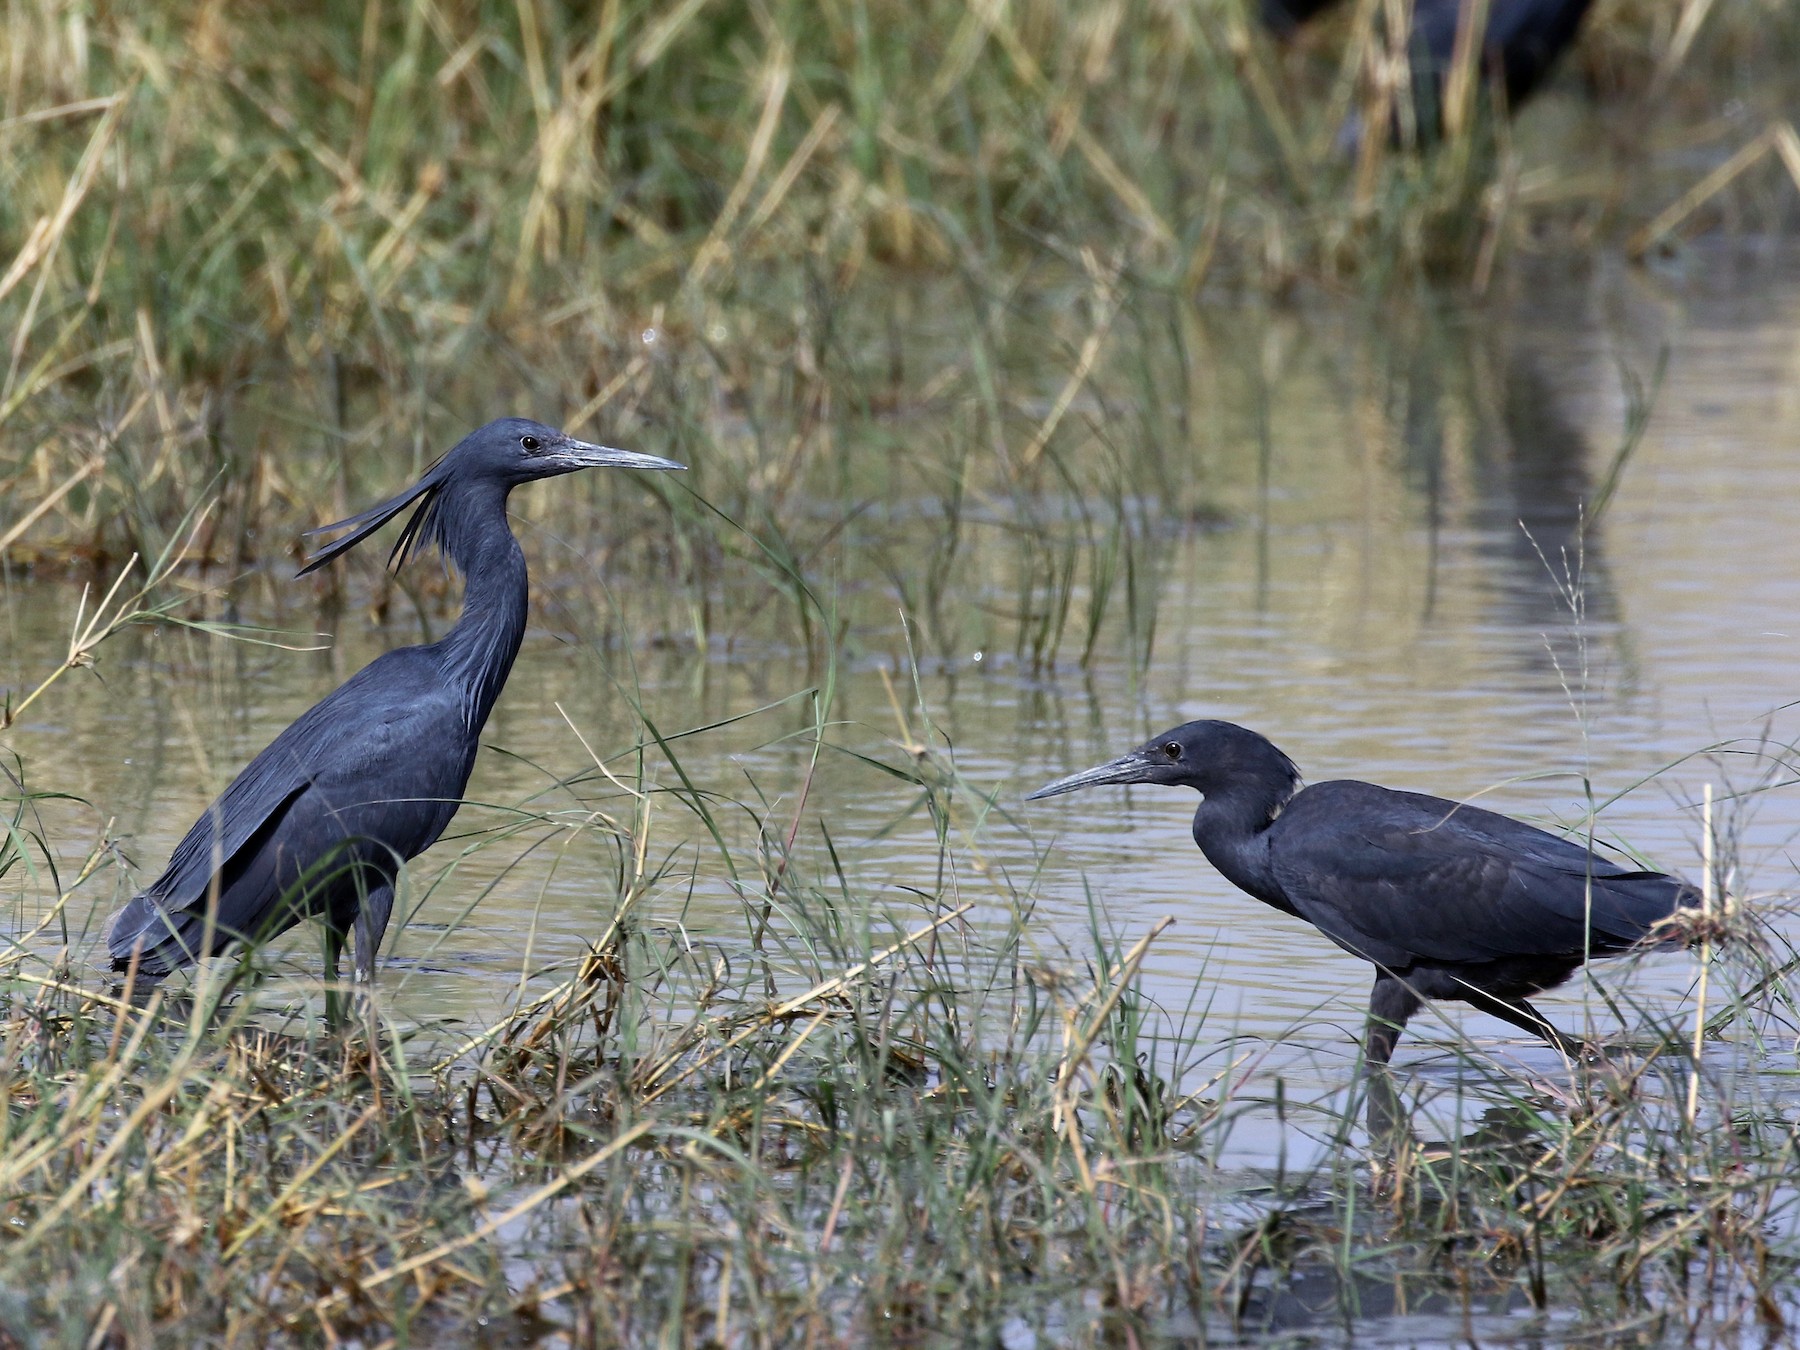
581,455
1135,767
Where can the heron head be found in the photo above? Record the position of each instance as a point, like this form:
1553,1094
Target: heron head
506,453
1205,756
518,450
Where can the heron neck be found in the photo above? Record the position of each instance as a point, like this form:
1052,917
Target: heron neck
1232,829
478,652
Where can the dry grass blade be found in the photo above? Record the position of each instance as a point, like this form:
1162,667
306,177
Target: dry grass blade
667,1077
300,1179
776,79
47,503
1681,41
1079,1040
47,233
1780,138
1105,308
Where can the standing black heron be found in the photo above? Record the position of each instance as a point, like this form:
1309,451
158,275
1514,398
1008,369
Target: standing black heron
320,822
1520,42
1447,900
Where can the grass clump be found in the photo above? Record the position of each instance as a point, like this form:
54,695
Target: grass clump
867,1115
265,250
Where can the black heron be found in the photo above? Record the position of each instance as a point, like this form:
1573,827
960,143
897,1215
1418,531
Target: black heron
319,823
1446,899
1520,44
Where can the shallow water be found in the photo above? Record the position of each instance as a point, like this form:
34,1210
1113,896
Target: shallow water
1391,582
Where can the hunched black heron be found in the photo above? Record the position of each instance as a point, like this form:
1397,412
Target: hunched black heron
1448,901
319,823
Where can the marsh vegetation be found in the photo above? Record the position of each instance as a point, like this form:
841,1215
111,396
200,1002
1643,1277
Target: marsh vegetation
1046,371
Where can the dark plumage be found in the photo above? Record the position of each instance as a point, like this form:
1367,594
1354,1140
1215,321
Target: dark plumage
1519,45
1447,900
1285,16
320,822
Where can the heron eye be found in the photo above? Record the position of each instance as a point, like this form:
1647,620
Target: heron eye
1172,750
529,442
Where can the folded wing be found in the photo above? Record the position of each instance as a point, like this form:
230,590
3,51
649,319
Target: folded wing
1443,882
314,818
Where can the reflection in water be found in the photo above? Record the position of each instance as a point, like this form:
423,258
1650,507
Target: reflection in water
1504,1132
1316,1297
1489,420
1542,473
1375,1283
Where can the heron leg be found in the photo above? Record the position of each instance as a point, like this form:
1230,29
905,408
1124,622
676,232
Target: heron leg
1391,1003
1527,1018
334,948
1387,1120
371,924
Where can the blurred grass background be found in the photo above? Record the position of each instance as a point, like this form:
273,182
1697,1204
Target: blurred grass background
260,253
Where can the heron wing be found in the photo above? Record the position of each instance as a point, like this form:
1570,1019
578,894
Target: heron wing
381,761
1398,876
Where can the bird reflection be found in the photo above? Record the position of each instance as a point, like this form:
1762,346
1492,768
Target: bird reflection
1523,477
1533,466
1506,1134
1313,1292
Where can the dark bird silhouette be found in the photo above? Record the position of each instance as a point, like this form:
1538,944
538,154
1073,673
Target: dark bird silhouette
1519,46
1447,900
1285,17
319,823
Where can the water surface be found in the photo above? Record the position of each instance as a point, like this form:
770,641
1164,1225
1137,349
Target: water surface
1394,577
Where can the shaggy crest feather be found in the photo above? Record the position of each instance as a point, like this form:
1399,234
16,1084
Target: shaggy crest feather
424,529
